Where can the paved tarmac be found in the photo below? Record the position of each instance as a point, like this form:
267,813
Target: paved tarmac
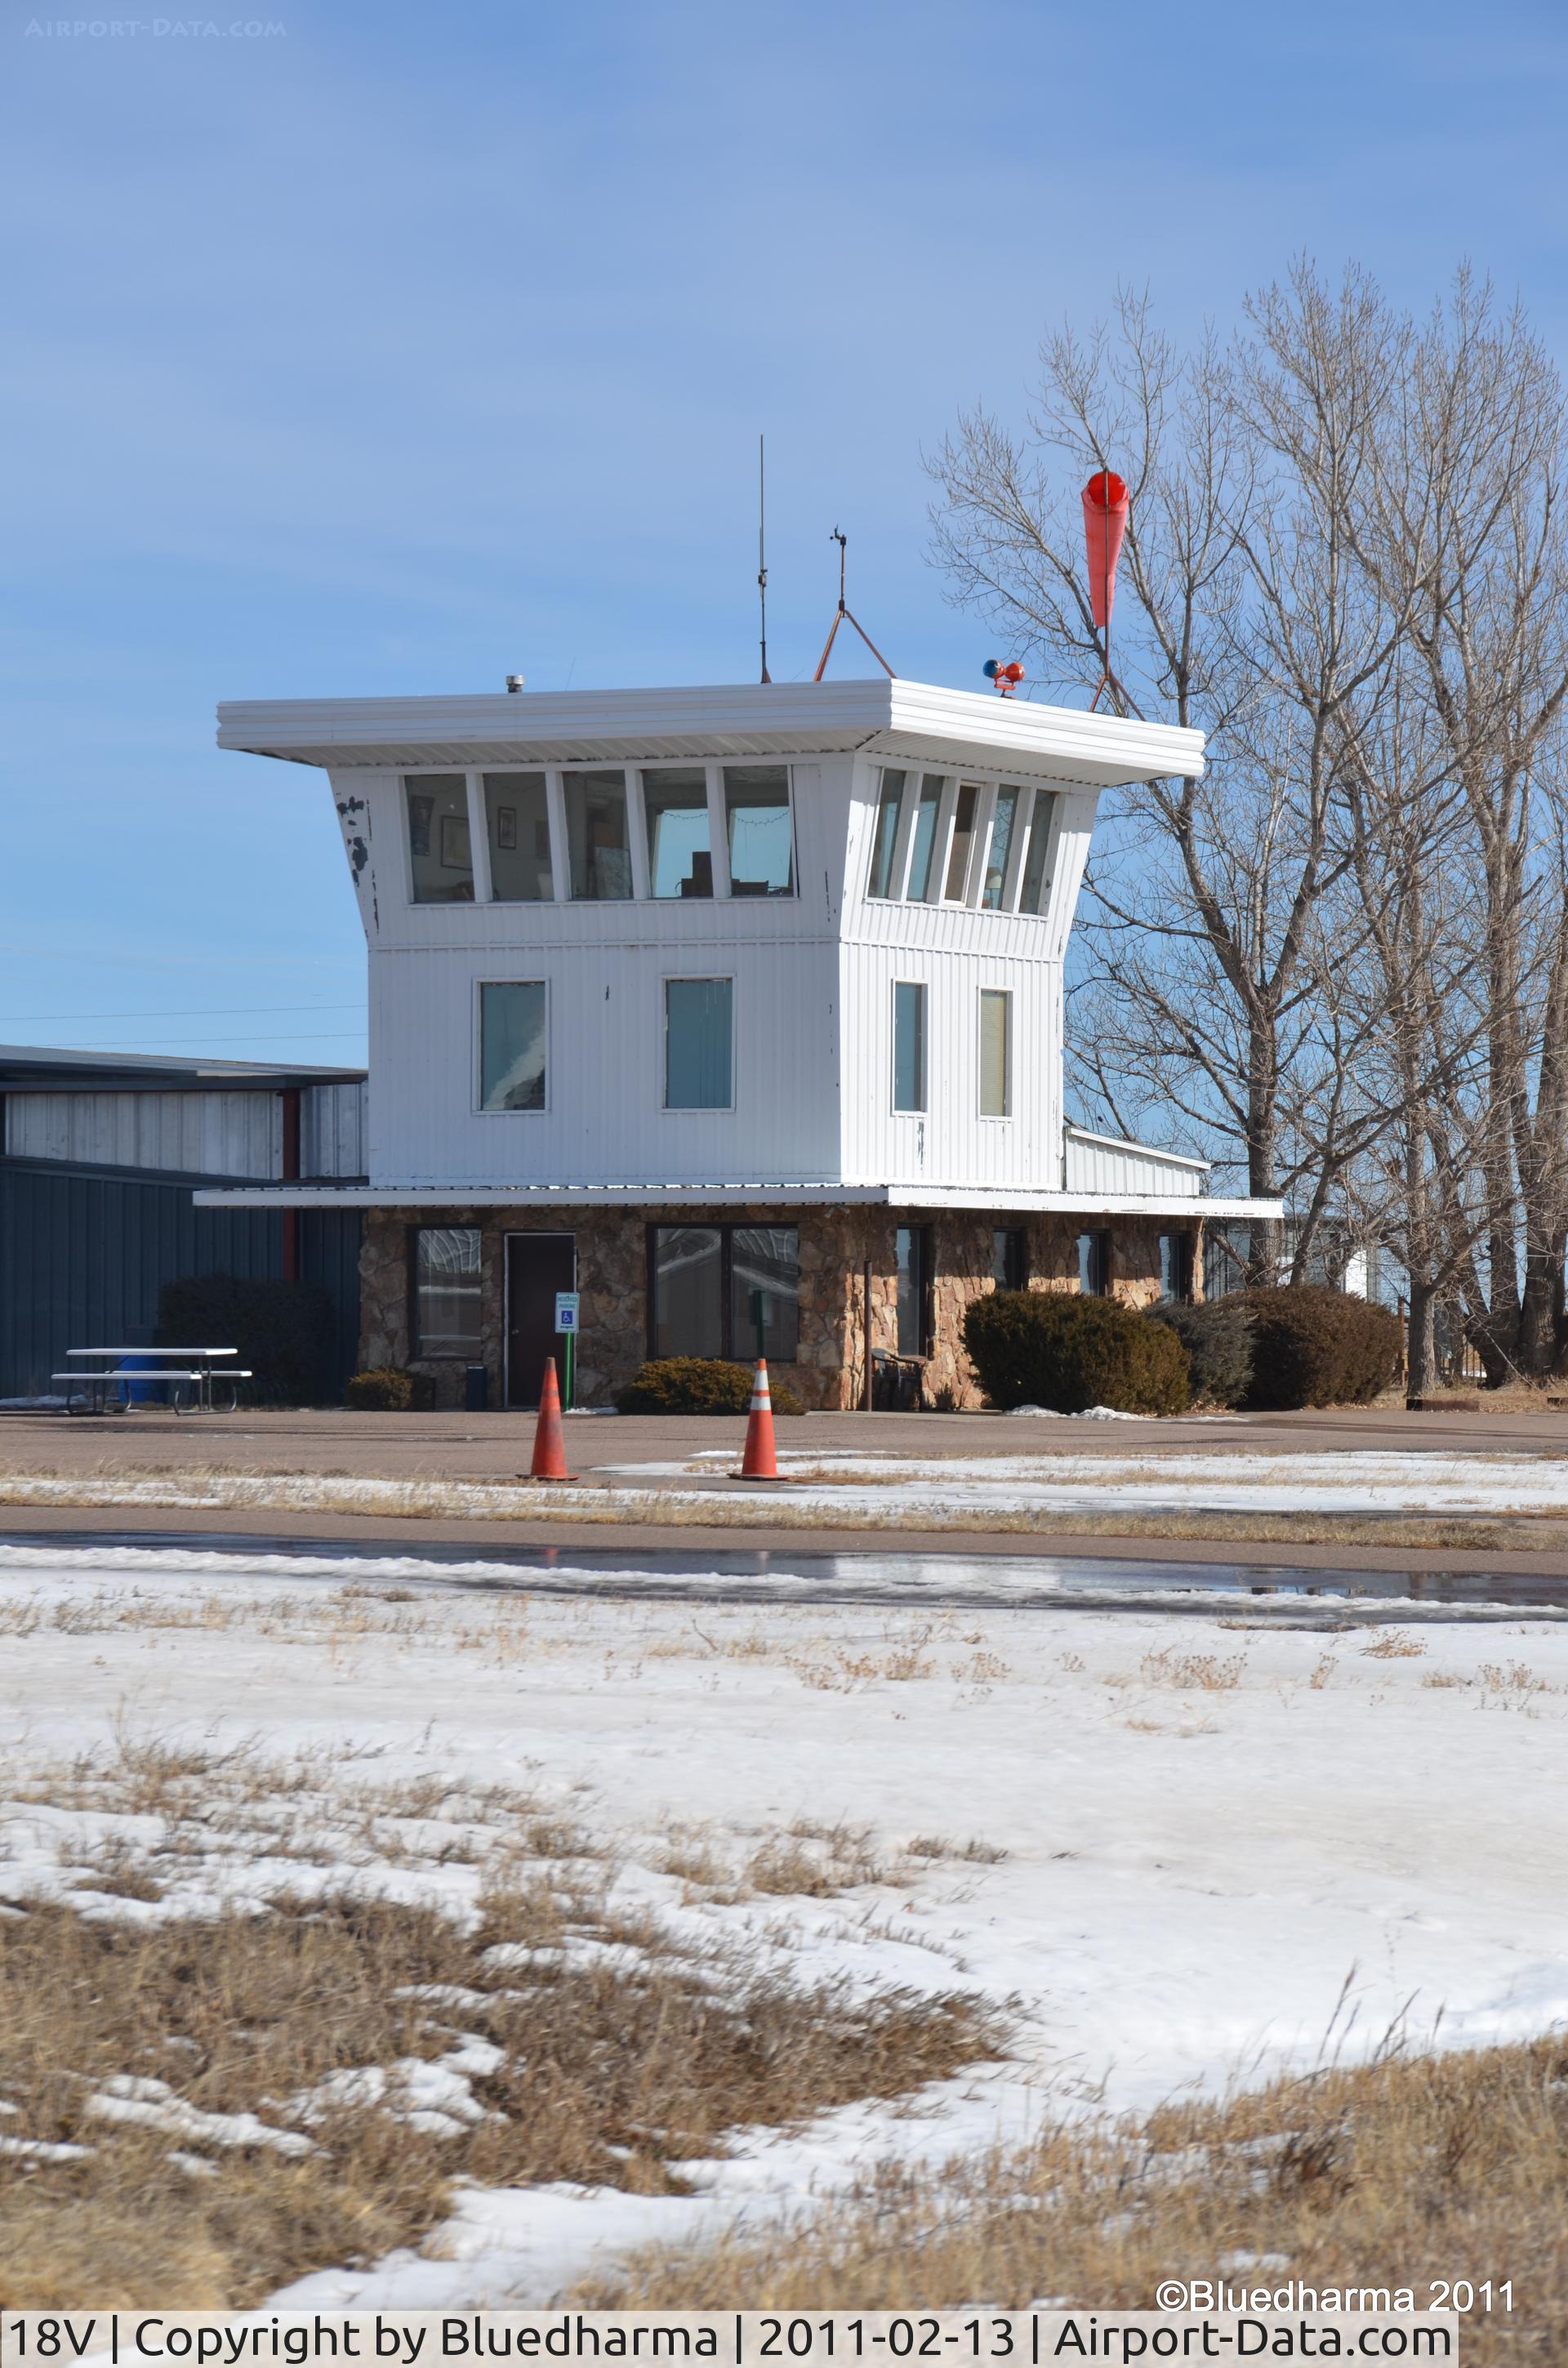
496,1446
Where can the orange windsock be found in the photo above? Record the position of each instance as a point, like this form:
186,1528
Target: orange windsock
760,1462
1106,508
550,1439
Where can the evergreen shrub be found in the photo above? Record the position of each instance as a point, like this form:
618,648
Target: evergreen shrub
1316,1347
282,1330
1062,1349
698,1385
1217,1340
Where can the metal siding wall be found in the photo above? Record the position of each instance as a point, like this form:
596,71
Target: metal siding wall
1125,1168
606,965
332,1130
329,1255
211,1132
82,1259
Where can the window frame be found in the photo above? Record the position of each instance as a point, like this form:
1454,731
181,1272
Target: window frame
719,794
923,1238
410,778
484,871
555,781
1009,1057
1099,1262
416,1349
1014,1262
725,1229
1183,1265
920,1109
640,822
989,788
694,978
481,1107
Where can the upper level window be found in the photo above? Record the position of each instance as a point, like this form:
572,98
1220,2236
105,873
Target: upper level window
513,1017
597,835
698,1014
516,819
963,841
680,851
995,1053
440,852
761,840
923,839
1035,891
1004,822
884,838
935,841
447,1291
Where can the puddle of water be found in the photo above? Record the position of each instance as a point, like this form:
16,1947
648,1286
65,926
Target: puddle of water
1009,1581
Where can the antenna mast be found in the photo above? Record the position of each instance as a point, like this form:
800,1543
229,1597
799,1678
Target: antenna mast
762,546
844,611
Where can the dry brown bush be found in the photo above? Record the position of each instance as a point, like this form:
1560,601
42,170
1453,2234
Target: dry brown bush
617,2060
1392,2174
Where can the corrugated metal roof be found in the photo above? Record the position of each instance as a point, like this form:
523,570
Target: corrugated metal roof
41,1068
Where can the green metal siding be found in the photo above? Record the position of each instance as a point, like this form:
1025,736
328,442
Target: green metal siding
83,1253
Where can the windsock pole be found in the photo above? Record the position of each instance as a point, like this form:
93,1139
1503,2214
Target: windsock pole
759,1462
550,1437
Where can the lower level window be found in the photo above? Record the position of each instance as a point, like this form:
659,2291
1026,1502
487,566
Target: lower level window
912,1261
709,1285
1093,1264
1175,1266
1010,1258
446,1291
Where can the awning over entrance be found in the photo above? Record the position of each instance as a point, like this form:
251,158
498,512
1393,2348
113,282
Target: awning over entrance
736,1192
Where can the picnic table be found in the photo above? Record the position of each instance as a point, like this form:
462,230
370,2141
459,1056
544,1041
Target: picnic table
195,1372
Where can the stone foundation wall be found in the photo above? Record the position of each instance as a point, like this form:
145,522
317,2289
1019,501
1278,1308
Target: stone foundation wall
835,1246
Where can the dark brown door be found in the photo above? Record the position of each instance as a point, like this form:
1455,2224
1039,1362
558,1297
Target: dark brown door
537,1266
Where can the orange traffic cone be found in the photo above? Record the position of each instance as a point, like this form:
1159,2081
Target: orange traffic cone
550,1439
759,1462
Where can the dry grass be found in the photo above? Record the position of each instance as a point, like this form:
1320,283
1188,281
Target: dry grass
1193,1672
975,1852
583,2051
812,1861
1397,2172
1395,1644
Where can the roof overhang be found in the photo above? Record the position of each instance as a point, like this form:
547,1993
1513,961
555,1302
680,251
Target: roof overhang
40,1068
729,1194
913,722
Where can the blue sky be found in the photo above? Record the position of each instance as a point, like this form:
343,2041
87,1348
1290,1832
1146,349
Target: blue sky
404,346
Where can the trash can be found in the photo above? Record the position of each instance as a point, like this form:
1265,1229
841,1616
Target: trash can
476,1389
148,1392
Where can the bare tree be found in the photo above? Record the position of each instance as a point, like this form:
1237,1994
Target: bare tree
1341,956
1242,610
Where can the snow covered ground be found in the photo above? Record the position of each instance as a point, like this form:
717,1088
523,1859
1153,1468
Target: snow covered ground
1207,1827
1368,1482
872,1491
